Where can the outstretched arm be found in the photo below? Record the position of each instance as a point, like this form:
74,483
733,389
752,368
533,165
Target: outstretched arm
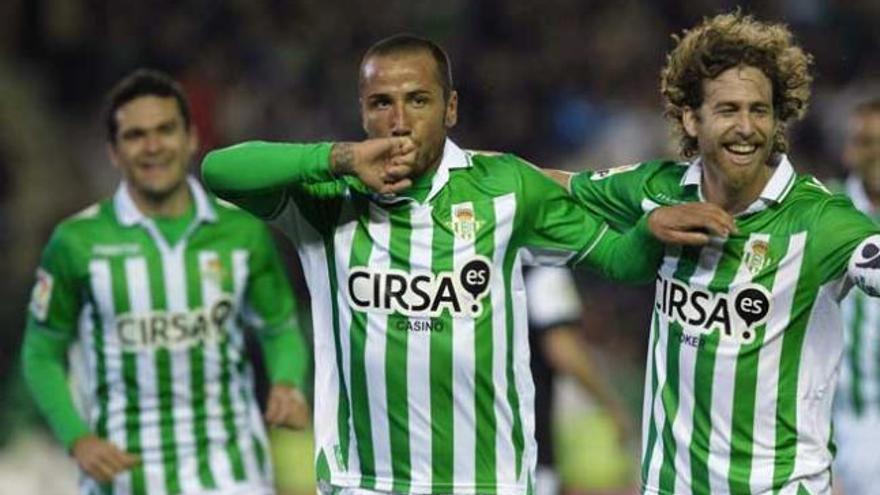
256,175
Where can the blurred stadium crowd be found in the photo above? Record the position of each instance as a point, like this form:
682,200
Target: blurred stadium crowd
568,83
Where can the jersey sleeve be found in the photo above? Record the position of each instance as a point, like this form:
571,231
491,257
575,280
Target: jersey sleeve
258,175
839,228
615,195
56,298
271,309
554,229
51,327
557,230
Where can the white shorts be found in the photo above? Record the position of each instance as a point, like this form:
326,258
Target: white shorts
857,465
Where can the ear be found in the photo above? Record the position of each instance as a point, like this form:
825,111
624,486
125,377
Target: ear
689,120
451,117
363,115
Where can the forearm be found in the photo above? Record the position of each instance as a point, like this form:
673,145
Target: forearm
43,362
631,258
286,356
255,174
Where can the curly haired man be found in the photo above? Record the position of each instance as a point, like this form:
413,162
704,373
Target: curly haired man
746,332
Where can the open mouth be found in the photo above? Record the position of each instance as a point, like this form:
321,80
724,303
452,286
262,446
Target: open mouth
741,152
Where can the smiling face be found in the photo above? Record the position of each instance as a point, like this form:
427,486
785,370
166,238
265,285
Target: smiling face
152,146
401,95
734,128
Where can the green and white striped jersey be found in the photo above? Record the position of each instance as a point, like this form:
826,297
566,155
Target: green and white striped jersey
858,390
422,380
746,333
160,334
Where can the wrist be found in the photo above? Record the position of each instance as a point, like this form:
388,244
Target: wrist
342,159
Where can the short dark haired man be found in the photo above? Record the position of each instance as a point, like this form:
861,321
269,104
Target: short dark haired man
156,285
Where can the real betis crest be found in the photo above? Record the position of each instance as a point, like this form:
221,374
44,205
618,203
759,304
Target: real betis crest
464,221
214,271
757,256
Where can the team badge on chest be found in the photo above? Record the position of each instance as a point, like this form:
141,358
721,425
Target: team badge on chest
756,256
464,221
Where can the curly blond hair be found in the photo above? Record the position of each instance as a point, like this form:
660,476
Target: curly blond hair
730,40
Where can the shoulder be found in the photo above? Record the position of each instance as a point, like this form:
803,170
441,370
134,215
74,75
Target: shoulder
73,236
497,173
808,192
86,223
648,171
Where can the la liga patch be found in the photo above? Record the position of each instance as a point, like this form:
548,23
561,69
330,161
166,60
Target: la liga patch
41,295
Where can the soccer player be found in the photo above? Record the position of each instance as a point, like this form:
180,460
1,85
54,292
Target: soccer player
857,404
554,317
412,249
156,285
746,333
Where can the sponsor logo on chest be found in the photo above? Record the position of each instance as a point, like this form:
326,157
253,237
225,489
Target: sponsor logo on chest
174,330
736,315
421,294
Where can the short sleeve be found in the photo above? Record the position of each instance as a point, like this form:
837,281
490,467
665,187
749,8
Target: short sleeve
838,229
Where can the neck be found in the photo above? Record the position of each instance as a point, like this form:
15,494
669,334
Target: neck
734,196
173,204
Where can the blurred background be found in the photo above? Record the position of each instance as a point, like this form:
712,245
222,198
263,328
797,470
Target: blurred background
564,83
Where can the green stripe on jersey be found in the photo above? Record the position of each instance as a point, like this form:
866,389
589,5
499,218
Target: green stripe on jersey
396,386
442,427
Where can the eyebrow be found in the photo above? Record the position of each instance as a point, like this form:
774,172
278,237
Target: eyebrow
136,130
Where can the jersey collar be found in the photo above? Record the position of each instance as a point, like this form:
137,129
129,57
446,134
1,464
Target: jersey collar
453,158
128,213
777,188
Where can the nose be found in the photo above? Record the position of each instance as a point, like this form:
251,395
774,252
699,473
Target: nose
400,124
152,142
745,126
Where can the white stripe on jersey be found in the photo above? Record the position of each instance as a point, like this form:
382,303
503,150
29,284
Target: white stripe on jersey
683,423
140,303
522,374
418,359
379,229
177,300
764,430
657,412
102,289
219,461
240,395
343,239
463,375
723,388
314,260
505,461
